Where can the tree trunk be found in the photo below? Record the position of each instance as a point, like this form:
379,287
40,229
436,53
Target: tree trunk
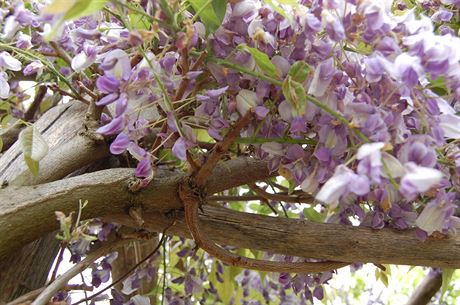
25,213
426,289
28,268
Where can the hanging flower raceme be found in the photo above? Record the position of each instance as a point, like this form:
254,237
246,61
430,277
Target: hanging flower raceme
354,102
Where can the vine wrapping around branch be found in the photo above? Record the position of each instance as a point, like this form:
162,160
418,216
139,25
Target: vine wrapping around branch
220,149
191,194
192,203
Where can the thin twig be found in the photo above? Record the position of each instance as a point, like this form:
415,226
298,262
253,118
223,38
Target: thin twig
61,53
73,96
164,275
191,194
83,281
87,90
127,273
270,206
220,149
40,94
28,297
156,144
185,80
305,198
284,210
278,186
62,280
58,261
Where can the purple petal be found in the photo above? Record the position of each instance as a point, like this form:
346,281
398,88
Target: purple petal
442,16
137,152
121,105
108,99
360,185
295,152
318,292
216,92
114,127
323,154
107,84
374,69
120,144
312,23
117,64
179,149
144,168
261,112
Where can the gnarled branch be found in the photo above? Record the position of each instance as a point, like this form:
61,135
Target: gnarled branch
302,238
27,213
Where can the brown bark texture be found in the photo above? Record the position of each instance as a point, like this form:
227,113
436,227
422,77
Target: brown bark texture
27,268
25,214
426,289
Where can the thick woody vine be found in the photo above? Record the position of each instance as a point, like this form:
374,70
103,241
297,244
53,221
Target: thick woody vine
193,195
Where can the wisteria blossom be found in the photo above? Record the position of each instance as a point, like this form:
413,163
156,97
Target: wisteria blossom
354,105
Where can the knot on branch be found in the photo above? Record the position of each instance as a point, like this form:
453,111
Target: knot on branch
135,184
92,122
190,193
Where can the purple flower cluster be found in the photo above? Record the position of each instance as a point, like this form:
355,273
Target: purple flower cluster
356,102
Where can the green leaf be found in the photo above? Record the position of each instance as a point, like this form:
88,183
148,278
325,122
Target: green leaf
84,8
34,147
262,60
438,86
138,21
203,136
288,2
1,144
5,120
292,186
299,71
210,13
256,295
295,94
313,215
278,9
225,289
446,277
32,165
58,7
4,105
384,278
73,9
260,208
220,7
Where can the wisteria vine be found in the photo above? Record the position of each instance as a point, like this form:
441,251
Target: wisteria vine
356,103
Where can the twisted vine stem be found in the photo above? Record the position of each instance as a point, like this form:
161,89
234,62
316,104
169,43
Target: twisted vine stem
192,194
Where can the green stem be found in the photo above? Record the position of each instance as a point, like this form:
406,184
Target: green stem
167,99
46,63
244,70
387,171
201,9
311,99
164,273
